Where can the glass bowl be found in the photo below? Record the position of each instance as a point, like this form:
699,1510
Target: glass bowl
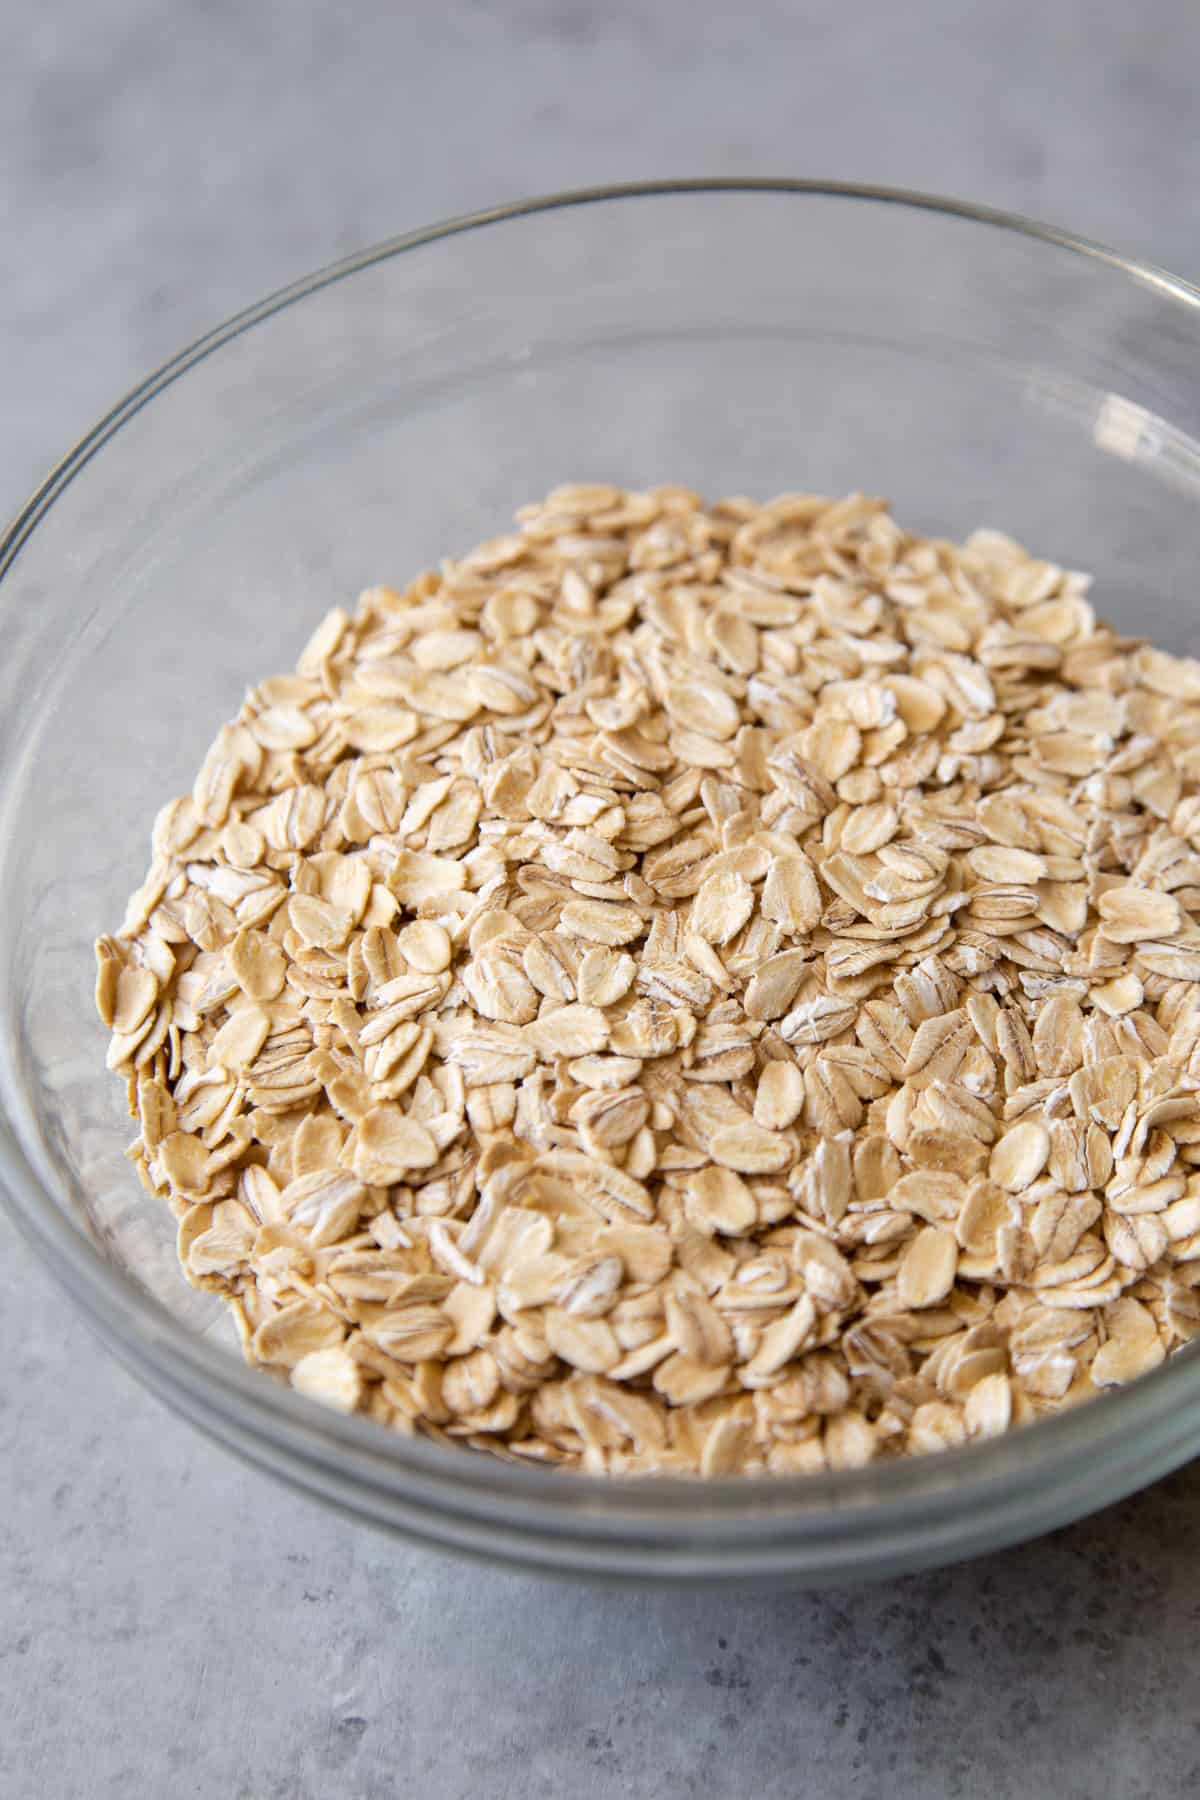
735,336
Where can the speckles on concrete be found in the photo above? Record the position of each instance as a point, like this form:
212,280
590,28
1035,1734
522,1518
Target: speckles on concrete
171,1624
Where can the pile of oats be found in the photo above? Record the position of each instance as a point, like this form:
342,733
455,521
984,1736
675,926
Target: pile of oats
688,988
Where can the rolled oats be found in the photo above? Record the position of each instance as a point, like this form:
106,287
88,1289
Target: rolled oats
688,988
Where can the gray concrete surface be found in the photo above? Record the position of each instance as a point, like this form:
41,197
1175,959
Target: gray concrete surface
172,1624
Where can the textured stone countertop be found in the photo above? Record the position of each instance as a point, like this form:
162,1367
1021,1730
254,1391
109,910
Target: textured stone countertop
171,1623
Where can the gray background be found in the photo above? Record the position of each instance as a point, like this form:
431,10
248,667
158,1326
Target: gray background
172,1624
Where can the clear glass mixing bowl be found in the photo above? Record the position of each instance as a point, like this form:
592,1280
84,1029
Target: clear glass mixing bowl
739,337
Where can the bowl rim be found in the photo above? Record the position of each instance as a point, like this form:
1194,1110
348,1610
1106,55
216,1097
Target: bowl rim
779,1512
